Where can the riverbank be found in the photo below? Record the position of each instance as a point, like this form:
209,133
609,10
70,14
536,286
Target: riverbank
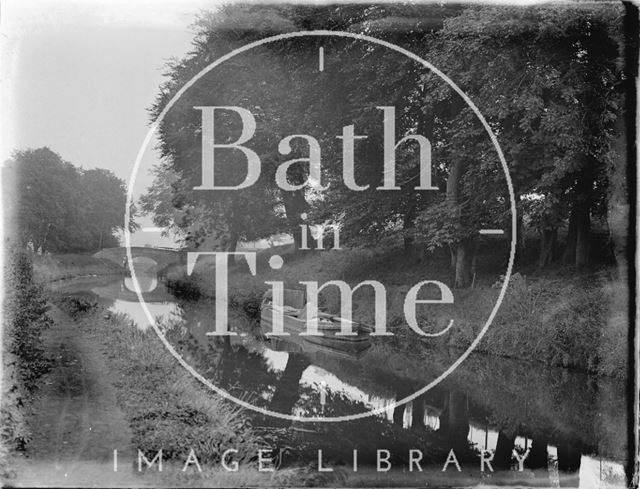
74,419
80,382
51,268
559,318
570,411
167,409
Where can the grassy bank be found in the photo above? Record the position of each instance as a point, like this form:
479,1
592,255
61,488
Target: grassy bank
578,322
168,409
558,318
49,268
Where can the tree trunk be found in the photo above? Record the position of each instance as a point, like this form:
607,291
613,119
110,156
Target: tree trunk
474,262
398,415
569,255
232,242
295,205
464,260
231,246
287,392
548,243
583,228
452,182
402,391
569,465
538,456
463,250
504,447
409,228
44,239
101,233
452,252
417,420
538,459
409,245
521,243
454,420
294,209
577,249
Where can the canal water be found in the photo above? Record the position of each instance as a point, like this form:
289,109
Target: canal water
572,425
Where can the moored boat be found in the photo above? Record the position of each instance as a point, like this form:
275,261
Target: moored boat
295,316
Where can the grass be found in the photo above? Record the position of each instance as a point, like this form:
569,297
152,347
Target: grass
168,409
49,268
566,323
562,319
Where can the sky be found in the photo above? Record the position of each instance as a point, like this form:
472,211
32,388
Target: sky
79,76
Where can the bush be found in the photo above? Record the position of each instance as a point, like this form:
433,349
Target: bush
25,320
183,287
76,305
24,360
13,432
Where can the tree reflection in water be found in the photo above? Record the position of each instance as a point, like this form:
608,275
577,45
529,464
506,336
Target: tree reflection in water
510,400
508,404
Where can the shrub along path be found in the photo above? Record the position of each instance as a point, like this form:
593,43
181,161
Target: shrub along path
76,422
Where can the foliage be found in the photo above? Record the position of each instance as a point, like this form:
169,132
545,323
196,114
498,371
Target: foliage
554,120
53,206
26,319
76,305
290,99
14,433
441,224
24,360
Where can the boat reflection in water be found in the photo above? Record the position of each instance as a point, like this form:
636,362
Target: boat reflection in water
317,347
572,424
293,319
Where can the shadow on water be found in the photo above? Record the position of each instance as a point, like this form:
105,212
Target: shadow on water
568,422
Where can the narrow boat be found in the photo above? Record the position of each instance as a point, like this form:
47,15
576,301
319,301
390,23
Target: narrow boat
295,314
320,351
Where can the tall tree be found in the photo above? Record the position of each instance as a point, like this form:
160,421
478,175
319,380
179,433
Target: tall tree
280,84
52,206
104,200
554,119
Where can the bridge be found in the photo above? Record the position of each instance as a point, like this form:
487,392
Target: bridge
152,289
141,255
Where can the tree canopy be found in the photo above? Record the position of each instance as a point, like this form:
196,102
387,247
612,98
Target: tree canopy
546,79
53,206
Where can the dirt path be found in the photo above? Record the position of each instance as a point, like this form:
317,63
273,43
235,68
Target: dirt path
76,423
